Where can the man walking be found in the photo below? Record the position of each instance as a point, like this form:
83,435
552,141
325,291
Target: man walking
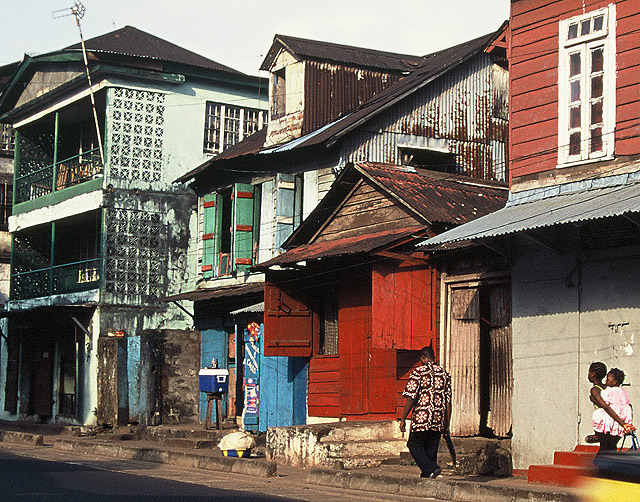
428,393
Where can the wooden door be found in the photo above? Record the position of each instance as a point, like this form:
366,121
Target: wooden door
501,371
41,382
354,331
464,361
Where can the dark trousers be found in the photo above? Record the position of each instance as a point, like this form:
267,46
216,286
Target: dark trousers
423,446
608,443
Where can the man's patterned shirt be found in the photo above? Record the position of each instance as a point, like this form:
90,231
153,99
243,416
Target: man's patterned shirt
430,386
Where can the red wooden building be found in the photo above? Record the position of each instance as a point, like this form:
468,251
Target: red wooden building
350,294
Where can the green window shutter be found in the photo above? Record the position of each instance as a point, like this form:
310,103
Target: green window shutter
221,264
208,235
243,228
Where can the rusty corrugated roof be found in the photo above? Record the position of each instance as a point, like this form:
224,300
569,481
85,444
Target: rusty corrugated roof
437,197
338,53
134,42
364,243
431,67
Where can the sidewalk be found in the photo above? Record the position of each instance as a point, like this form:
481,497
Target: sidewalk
391,479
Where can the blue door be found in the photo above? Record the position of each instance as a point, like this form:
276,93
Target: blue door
215,344
250,385
283,390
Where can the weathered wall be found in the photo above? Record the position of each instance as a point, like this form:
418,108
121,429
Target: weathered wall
180,366
567,314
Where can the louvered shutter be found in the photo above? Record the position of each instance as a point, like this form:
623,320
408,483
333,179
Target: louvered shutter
243,228
208,235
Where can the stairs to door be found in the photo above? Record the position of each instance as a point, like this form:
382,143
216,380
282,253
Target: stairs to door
567,469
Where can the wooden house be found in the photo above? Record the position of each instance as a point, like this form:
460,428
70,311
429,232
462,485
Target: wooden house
445,111
569,231
349,293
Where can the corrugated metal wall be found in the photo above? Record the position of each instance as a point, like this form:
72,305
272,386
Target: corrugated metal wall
332,90
463,107
501,370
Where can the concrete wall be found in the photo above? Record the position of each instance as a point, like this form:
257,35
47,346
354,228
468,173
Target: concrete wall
568,311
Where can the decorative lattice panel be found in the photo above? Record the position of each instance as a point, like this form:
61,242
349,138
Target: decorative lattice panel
136,135
136,255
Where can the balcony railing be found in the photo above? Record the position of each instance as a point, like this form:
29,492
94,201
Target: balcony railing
66,278
58,176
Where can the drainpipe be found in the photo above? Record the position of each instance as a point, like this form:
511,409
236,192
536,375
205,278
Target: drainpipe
52,256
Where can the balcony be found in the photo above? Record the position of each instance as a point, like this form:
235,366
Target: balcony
57,258
59,279
58,176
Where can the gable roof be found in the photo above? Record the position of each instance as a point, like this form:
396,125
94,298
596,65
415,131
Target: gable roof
337,53
131,41
431,196
432,66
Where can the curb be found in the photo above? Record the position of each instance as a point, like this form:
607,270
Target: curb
437,488
22,437
264,469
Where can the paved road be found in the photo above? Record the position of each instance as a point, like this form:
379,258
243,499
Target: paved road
46,474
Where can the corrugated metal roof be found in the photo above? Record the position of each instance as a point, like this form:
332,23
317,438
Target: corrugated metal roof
431,67
438,197
364,243
338,53
211,294
556,210
134,42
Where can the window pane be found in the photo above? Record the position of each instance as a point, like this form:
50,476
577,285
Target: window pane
575,91
574,64
598,23
596,87
596,139
597,60
574,117
585,27
596,113
573,31
574,143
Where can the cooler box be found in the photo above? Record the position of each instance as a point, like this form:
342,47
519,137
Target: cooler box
214,380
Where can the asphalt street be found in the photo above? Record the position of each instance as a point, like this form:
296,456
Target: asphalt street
46,474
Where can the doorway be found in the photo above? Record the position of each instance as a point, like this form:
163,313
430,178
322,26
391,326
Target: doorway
479,357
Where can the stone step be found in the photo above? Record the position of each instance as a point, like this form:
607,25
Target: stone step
161,433
559,475
190,443
365,448
357,431
575,458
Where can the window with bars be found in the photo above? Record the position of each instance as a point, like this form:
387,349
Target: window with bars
7,142
587,87
6,196
329,325
225,125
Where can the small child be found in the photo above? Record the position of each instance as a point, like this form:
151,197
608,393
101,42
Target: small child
613,419
597,371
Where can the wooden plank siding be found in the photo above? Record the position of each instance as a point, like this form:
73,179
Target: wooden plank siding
533,77
323,395
368,210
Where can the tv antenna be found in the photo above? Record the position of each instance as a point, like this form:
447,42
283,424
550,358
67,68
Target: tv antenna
78,11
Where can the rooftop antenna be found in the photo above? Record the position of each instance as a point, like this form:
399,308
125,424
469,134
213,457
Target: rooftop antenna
78,11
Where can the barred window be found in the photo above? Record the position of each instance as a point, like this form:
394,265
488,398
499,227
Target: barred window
6,138
226,125
6,196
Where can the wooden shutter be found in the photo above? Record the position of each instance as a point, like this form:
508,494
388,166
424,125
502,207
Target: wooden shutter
243,227
404,306
288,323
208,235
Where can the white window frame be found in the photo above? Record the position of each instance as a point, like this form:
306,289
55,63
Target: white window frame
584,44
223,118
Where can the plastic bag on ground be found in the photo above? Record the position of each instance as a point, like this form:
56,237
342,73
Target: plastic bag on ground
239,440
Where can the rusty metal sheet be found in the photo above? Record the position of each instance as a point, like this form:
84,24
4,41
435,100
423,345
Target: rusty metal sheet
501,373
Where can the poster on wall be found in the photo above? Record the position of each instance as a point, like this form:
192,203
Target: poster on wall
250,396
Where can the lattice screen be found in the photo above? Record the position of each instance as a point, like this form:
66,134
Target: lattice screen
136,135
136,254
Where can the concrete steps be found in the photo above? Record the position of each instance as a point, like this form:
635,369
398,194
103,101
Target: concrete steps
568,467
